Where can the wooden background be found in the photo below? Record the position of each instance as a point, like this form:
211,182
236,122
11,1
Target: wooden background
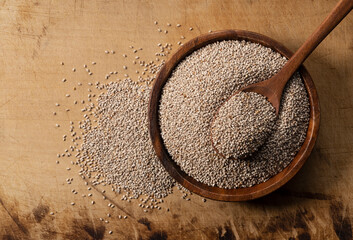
35,36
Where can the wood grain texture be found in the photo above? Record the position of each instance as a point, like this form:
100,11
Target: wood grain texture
35,36
216,193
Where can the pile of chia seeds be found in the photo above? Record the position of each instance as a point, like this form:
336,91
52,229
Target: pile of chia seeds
119,148
199,86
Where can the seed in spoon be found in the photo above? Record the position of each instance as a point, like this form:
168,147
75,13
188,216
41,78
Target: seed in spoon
242,125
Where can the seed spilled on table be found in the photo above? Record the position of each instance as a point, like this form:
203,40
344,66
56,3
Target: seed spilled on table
119,146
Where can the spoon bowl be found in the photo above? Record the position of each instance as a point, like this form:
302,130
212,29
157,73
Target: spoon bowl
232,140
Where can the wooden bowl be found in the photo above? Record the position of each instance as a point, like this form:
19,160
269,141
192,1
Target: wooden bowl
240,194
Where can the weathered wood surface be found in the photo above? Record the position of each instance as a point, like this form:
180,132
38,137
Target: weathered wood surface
35,36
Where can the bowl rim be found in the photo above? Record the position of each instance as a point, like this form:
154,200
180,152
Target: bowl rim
216,193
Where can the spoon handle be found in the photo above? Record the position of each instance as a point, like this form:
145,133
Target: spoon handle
342,8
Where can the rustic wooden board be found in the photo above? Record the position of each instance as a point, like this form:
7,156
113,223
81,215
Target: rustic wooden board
35,36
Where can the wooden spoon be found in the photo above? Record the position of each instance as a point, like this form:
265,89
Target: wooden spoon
272,88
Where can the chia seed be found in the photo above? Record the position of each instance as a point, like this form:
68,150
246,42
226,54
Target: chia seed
200,84
119,147
242,124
